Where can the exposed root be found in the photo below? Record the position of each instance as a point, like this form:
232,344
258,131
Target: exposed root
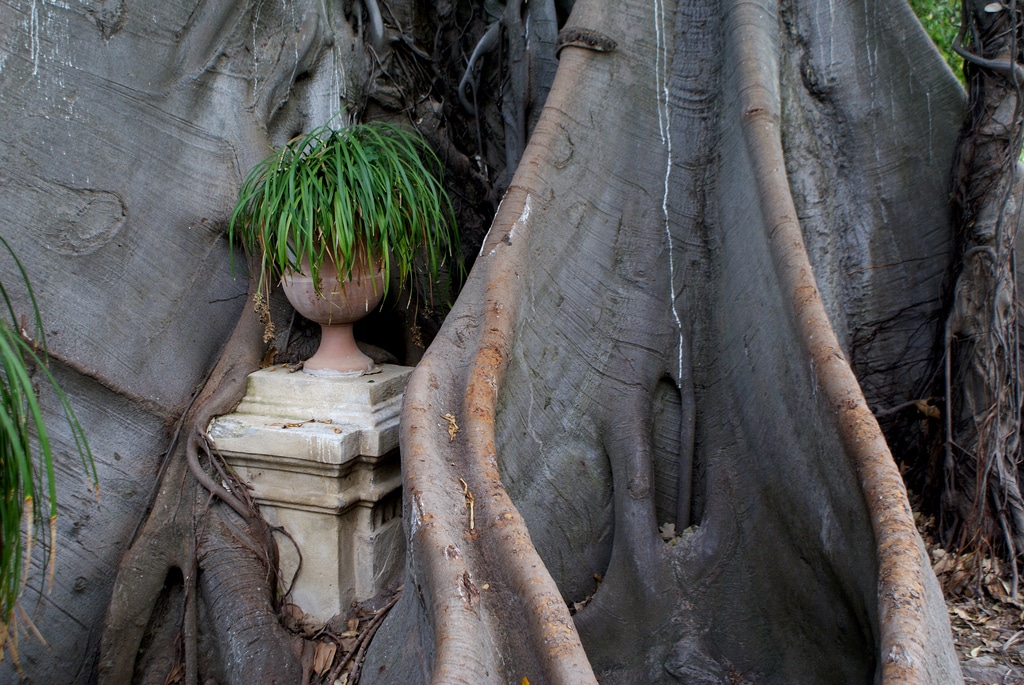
902,617
982,502
185,532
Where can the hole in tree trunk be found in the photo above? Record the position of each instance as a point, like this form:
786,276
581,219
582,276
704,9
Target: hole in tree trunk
157,653
666,420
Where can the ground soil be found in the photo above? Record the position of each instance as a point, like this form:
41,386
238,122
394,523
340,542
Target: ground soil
987,621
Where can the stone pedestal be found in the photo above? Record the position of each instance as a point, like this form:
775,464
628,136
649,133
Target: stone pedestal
321,455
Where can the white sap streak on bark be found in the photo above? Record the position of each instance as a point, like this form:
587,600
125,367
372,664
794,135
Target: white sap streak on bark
34,37
928,102
487,235
665,129
255,59
523,218
55,27
831,29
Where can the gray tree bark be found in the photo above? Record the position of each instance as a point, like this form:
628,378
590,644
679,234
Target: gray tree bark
643,339
126,128
645,328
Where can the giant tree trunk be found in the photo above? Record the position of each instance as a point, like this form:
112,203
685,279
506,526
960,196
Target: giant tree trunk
126,127
643,342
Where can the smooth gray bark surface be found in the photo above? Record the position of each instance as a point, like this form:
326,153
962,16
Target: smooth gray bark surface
126,126
650,371
627,281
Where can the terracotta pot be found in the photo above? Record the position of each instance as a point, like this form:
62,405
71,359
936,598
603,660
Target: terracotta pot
336,307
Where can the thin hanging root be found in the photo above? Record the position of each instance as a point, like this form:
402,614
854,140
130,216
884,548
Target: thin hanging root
1011,551
948,381
195,442
189,627
488,42
376,25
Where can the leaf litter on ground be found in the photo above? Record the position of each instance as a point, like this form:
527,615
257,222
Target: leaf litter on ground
986,621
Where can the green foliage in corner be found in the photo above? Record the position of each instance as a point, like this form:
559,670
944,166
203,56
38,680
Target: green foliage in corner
941,19
28,494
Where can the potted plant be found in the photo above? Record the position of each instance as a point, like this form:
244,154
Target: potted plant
335,214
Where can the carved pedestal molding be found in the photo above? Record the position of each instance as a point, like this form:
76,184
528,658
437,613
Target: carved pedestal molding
321,455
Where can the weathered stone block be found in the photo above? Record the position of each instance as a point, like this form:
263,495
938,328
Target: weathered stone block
321,455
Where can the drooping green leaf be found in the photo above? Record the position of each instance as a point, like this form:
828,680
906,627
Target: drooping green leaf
365,191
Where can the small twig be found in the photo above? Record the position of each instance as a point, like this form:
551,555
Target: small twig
469,502
1013,638
370,631
882,413
361,642
453,427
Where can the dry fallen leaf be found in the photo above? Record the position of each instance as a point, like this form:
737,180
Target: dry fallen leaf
453,427
469,503
176,674
963,614
944,563
324,657
928,409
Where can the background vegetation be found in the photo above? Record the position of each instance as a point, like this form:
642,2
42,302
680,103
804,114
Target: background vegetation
941,19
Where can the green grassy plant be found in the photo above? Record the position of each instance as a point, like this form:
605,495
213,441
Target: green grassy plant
368,191
941,20
28,495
